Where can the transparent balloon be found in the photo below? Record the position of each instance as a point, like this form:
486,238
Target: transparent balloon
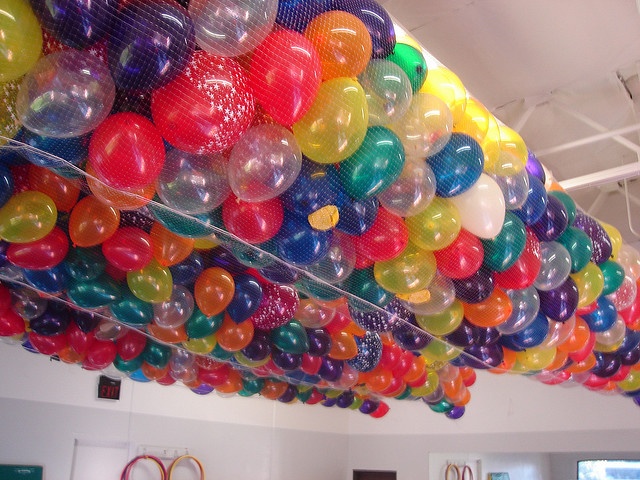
28,303
446,85
441,295
613,335
555,267
66,94
312,313
515,188
175,311
388,91
413,190
559,332
339,261
629,258
526,303
625,295
230,28
193,183
264,163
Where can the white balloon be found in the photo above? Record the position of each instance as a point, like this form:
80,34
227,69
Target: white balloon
482,207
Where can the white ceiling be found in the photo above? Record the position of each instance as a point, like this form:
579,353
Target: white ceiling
560,72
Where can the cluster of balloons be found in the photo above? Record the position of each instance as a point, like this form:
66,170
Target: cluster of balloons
286,198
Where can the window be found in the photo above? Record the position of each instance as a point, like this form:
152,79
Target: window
609,470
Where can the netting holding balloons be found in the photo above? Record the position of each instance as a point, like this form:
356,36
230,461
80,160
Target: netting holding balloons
287,199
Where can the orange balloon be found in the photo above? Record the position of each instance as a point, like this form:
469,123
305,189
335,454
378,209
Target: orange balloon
154,373
508,361
578,339
464,398
343,43
168,335
63,191
453,387
92,222
354,329
378,379
169,248
343,346
583,366
234,336
193,383
214,290
273,390
69,355
122,199
559,361
490,312
416,370
232,384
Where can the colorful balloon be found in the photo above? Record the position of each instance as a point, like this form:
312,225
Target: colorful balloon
129,248
42,254
436,227
27,217
214,290
152,283
91,222
457,166
21,40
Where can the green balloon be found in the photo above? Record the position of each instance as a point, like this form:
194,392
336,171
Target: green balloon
95,293
131,310
406,393
128,366
291,337
85,263
501,252
220,353
443,406
304,395
412,62
191,226
362,284
251,387
156,355
579,246
568,203
200,326
613,274
375,165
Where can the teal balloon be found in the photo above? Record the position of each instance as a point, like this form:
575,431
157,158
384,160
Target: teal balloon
613,274
362,284
128,366
199,325
375,165
412,62
568,203
131,310
95,293
220,353
291,338
579,246
156,355
190,226
318,290
251,387
85,263
501,252
443,406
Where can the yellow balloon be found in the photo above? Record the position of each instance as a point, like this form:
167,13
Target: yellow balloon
206,243
491,144
536,358
27,217
590,282
439,352
442,323
631,382
152,284
430,385
20,39
411,271
247,362
615,237
435,227
446,85
202,345
475,122
336,124
9,123
512,154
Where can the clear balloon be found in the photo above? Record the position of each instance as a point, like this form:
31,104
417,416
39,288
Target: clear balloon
442,295
555,267
120,198
229,28
625,295
426,127
446,85
66,94
412,191
193,183
388,91
27,303
515,188
21,40
409,272
526,303
264,163
176,311
339,262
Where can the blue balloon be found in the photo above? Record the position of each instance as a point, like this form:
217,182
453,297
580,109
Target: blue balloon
535,168
298,243
319,341
369,352
316,186
330,369
553,222
603,317
356,216
76,23
53,280
187,271
259,347
607,364
246,297
373,320
378,22
52,322
530,336
139,376
457,166
279,272
410,337
73,150
560,303
296,14
151,43
6,184
535,204
285,360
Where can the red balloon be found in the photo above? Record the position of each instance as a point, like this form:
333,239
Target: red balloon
310,364
42,254
462,258
101,354
381,411
387,237
214,377
207,107
524,271
631,314
131,345
5,298
79,341
11,323
391,354
581,354
128,249
285,74
252,222
126,151
48,344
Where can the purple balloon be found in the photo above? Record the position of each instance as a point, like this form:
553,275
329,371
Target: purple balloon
462,336
602,247
289,394
330,369
483,356
607,364
203,389
455,413
368,406
410,337
260,346
372,320
534,167
476,288
51,322
296,14
345,399
285,360
319,341
553,222
560,303
377,21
